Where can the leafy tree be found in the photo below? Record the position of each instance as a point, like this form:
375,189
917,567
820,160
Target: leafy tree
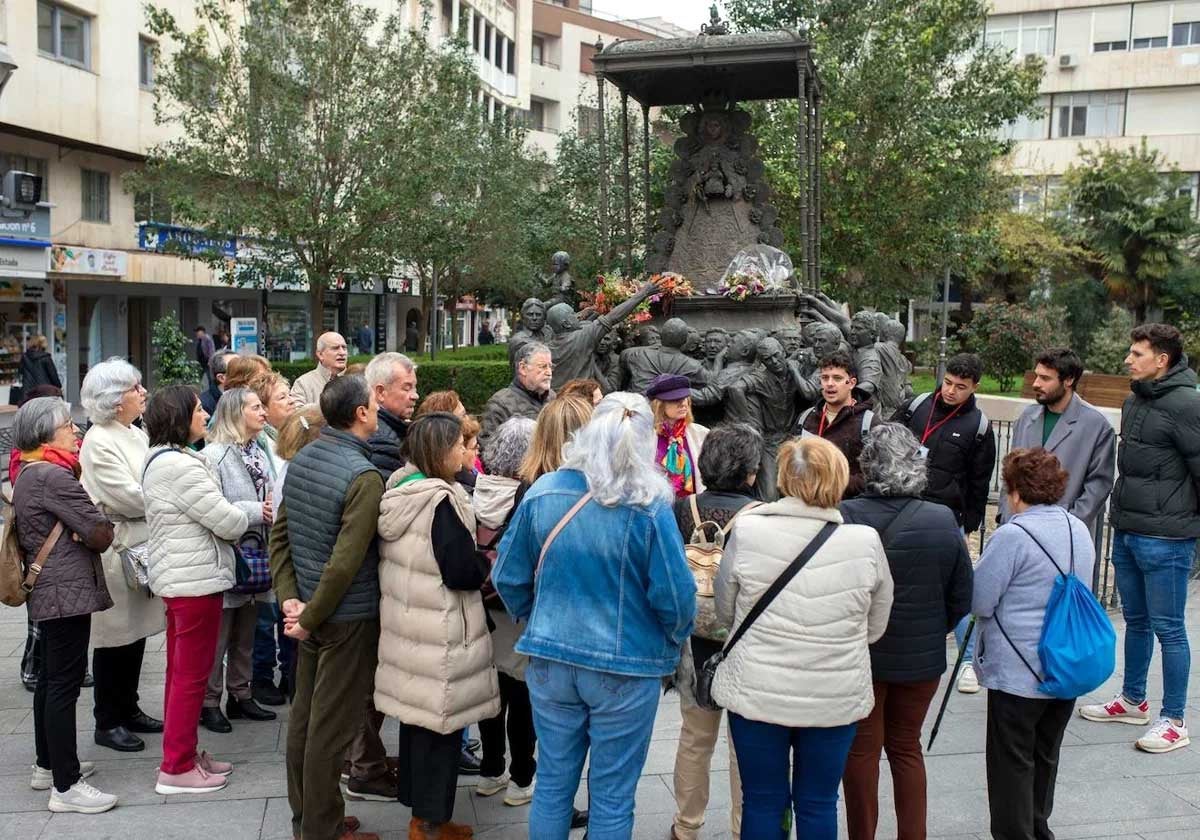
914,104
173,361
320,132
1007,336
1139,231
1110,344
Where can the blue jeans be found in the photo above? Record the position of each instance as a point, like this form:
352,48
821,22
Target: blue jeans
574,710
1152,578
960,630
270,619
818,761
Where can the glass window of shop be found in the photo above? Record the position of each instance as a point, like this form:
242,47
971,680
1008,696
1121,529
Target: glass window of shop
360,309
289,335
20,320
98,331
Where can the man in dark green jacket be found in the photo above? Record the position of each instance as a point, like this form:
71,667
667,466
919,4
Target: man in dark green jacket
1156,516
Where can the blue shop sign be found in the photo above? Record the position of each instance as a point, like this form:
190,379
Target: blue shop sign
155,237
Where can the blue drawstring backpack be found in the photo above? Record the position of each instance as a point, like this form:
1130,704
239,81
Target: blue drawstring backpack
1078,647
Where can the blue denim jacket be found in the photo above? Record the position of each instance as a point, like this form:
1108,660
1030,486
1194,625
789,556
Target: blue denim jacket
614,593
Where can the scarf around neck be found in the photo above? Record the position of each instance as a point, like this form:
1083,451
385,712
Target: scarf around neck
676,458
52,455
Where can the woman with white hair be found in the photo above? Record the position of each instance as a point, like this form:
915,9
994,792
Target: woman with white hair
111,457
245,468
613,603
932,572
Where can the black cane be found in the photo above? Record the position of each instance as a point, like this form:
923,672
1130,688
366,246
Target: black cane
962,650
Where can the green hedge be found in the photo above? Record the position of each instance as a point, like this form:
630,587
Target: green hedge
474,372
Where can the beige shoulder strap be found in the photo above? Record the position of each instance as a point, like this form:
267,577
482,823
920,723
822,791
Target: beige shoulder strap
729,524
695,511
562,523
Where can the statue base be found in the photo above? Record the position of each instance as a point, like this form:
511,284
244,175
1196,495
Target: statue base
705,312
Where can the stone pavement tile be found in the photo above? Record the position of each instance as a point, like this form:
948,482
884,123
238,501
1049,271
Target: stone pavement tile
1092,802
183,821
1127,828
1184,785
1092,732
11,720
1081,763
378,817
1179,834
24,826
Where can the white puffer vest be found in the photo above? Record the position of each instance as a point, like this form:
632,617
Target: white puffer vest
435,653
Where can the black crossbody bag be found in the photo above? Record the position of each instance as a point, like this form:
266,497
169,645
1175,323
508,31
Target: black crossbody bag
704,679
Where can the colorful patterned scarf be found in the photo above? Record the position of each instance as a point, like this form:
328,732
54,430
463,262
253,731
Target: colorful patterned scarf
52,455
676,458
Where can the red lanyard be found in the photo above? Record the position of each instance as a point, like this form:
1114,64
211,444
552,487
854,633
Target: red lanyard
940,423
824,414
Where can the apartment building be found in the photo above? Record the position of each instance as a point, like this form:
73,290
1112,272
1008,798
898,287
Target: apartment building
562,92
1115,73
90,273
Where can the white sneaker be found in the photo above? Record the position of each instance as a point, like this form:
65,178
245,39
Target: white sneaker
968,683
1118,710
1164,736
517,795
43,779
491,785
82,798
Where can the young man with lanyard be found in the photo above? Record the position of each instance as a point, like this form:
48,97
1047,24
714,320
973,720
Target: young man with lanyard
960,451
841,419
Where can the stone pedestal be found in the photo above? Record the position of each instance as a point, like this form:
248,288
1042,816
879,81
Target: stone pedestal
704,312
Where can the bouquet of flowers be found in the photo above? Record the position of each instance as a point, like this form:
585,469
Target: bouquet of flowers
673,286
742,285
612,290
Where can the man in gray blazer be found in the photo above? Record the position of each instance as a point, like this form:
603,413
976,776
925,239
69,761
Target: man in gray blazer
1063,423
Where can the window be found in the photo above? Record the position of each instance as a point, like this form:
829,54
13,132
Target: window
148,207
1150,43
589,121
538,55
1185,34
23,163
537,115
1110,28
1029,197
476,26
1089,114
511,66
1030,128
1110,46
146,63
1151,25
64,35
95,196
1023,34
487,41
498,52
1190,189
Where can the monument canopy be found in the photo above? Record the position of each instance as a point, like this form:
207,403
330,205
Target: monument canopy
683,71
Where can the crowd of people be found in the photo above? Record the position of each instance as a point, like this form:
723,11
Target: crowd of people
344,546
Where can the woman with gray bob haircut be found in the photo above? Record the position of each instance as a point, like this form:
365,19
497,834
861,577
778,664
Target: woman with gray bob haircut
614,602
112,456
933,581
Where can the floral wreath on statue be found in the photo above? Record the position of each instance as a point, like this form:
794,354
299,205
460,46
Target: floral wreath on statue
614,288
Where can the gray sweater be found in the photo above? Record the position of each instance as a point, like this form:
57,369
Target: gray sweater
237,486
1013,582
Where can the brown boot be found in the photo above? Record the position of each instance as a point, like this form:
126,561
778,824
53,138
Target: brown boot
455,831
416,830
358,835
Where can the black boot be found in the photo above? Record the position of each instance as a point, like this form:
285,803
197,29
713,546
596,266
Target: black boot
212,720
265,692
143,723
247,709
120,739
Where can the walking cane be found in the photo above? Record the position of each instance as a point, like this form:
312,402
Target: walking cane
962,649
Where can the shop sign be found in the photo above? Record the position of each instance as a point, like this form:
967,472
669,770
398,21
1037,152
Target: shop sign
37,226
169,238
71,259
23,262
243,335
402,286
365,286
29,290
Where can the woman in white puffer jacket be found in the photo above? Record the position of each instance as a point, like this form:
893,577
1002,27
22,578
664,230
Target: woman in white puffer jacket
799,680
190,564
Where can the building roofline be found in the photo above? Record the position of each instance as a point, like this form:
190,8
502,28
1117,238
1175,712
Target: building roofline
70,142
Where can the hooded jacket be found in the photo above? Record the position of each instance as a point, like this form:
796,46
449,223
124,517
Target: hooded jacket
435,654
1158,460
494,500
37,368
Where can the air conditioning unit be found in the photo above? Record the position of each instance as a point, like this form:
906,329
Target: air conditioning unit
1068,62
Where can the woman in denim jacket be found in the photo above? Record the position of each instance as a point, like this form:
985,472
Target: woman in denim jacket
613,603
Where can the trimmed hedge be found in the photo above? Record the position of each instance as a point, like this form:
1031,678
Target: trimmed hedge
474,372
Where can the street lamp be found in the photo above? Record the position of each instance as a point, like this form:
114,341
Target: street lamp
7,68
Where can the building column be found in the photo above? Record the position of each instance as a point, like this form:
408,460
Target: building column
454,17
504,56
470,27
491,109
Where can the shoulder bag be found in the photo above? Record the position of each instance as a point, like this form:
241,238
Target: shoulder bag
17,581
704,679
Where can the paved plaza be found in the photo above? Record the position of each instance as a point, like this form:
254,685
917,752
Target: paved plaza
1106,789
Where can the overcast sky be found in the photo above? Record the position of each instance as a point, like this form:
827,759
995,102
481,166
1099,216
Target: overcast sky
687,13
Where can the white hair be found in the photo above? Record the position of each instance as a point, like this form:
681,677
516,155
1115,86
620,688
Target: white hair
529,350
615,452
104,386
228,422
321,345
37,421
382,369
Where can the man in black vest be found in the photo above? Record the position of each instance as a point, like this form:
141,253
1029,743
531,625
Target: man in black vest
960,453
325,568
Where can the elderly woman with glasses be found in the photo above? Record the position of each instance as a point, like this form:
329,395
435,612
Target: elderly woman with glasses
111,456
932,573
60,528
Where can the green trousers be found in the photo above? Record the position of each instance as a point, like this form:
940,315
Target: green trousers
335,668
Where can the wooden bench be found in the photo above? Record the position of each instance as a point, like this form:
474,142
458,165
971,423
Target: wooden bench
1100,389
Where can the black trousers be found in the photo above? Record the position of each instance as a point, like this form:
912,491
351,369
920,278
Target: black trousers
1023,741
63,646
116,671
429,772
516,717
